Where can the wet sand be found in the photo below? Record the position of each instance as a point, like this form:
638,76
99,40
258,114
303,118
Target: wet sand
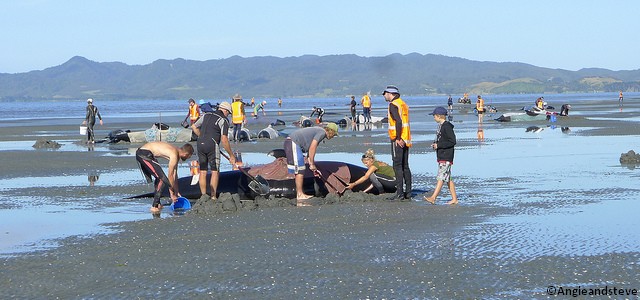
510,237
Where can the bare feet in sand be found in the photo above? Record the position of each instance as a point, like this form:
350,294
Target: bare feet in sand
428,199
156,210
453,202
302,200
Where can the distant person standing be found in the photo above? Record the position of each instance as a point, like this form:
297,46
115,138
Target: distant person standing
444,146
366,107
238,116
620,99
253,102
279,102
194,111
450,103
352,108
400,135
480,108
212,131
90,120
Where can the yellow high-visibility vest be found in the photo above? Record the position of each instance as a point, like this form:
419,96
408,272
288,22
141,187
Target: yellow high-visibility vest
403,110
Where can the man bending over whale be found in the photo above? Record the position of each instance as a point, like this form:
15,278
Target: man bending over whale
147,159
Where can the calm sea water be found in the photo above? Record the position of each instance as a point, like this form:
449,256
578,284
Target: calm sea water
505,149
54,109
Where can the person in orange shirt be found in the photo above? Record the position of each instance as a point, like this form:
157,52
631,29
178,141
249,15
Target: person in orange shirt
620,99
194,111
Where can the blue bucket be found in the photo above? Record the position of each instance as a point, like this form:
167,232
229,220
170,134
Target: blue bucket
553,118
182,203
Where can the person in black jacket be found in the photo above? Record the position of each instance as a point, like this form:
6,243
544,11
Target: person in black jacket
444,146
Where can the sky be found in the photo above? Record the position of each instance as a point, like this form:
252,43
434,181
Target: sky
559,34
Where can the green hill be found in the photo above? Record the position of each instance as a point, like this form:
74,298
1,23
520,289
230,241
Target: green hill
303,76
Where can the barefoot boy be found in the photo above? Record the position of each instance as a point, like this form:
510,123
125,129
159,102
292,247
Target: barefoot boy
444,146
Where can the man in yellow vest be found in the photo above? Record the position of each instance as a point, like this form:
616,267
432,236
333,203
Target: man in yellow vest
400,135
366,107
238,116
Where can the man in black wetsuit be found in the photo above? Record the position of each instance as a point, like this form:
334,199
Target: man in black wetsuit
90,120
212,129
147,159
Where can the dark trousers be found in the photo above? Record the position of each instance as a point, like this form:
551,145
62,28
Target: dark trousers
400,157
90,135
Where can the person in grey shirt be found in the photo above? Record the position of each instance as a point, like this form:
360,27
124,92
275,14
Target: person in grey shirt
305,140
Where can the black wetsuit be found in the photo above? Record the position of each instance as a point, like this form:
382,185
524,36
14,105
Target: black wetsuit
319,111
353,109
150,167
92,112
212,127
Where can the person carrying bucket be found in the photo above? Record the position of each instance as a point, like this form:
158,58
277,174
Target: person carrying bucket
90,120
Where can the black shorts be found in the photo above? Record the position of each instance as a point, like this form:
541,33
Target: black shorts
209,157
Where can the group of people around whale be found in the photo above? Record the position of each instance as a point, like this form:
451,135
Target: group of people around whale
212,128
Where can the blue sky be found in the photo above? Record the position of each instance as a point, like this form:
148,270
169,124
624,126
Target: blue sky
37,34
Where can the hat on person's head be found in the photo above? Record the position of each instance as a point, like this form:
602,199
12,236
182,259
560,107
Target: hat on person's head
191,100
89,100
333,126
391,89
439,111
236,97
201,101
225,105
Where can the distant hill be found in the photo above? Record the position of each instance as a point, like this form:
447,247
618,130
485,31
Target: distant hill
303,76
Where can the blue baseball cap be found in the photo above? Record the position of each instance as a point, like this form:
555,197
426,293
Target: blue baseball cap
440,111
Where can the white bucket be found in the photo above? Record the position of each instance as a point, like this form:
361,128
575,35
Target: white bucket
83,130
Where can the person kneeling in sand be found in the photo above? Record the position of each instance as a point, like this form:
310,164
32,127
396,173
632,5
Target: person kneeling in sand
147,159
444,146
305,140
380,174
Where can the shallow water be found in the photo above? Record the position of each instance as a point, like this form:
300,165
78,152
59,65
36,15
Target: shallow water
545,177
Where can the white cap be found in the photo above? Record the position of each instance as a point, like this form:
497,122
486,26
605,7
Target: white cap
89,100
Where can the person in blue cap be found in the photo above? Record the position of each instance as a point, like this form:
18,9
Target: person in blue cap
444,146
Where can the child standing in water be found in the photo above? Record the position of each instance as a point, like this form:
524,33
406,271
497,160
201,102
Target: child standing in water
444,146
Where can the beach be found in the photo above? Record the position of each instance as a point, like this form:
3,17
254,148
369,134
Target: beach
543,211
